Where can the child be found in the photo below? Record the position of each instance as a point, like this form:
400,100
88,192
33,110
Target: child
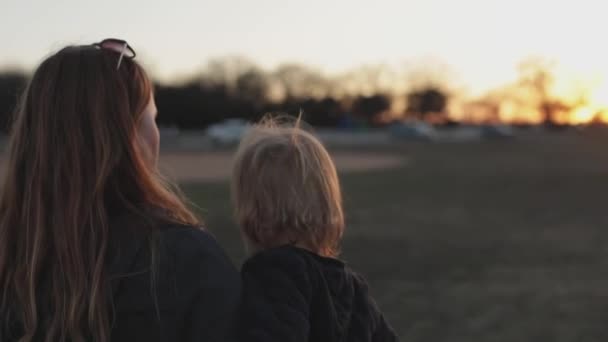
288,205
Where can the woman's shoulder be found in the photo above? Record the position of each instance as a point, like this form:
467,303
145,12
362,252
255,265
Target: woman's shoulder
134,244
188,241
194,253
181,277
183,261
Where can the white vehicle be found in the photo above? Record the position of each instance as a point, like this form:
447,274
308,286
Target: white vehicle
228,132
497,131
413,130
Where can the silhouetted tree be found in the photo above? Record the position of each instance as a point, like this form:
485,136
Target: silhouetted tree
11,86
253,86
370,107
300,82
536,74
191,106
224,72
367,80
421,103
326,112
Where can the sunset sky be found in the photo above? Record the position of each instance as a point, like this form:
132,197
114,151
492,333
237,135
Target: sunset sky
481,40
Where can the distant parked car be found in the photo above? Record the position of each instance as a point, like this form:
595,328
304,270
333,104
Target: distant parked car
228,132
497,131
415,130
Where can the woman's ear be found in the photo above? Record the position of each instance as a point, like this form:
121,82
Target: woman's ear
148,136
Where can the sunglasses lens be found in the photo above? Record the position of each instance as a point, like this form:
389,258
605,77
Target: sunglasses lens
129,53
119,47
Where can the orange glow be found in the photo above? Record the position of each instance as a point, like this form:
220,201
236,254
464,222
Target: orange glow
599,95
596,108
580,104
581,115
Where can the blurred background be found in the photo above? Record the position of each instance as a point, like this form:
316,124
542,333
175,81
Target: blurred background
470,136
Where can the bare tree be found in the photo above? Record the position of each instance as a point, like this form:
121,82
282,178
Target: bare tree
369,80
11,85
431,84
225,72
254,87
301,82
537,76
430,100
371,108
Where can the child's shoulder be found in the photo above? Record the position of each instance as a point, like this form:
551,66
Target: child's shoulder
289,255
283,270
299,265
287,258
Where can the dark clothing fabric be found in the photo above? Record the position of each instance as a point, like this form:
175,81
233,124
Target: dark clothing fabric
292,295
197,289
194,295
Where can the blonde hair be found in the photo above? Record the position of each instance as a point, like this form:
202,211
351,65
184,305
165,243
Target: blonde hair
286,190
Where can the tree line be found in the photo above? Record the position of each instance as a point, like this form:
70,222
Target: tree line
237,88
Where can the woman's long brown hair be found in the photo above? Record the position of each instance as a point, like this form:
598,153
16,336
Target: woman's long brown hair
74,163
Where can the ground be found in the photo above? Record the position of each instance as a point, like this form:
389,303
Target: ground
495,241
501,241
216,166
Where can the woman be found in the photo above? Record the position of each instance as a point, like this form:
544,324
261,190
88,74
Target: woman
93,245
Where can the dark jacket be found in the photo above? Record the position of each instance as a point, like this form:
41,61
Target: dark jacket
290,294
197,289
194,296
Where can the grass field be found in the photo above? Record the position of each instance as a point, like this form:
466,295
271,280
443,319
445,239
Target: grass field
502,241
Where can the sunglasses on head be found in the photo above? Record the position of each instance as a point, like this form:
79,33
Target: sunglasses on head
119,46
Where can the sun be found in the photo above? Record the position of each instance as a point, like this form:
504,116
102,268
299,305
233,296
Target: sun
599,95
582,115
597,107
593,105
